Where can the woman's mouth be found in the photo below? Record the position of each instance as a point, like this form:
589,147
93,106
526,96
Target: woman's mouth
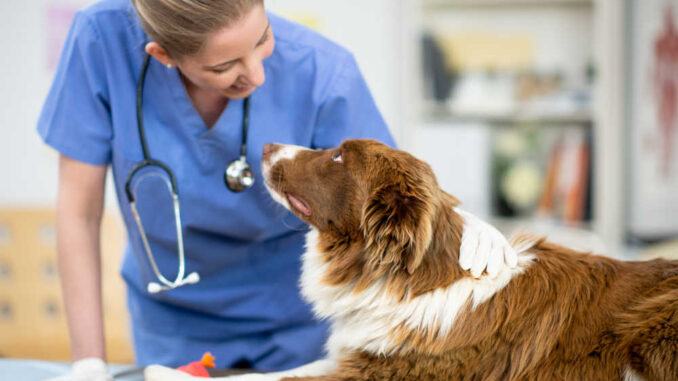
240,88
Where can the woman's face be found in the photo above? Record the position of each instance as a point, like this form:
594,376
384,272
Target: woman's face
231,62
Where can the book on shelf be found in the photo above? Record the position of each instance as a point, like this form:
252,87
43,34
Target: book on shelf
563,189
566,186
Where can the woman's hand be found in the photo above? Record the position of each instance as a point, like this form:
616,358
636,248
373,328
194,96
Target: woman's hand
483,247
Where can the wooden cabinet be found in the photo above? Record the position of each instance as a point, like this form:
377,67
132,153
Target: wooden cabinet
32,319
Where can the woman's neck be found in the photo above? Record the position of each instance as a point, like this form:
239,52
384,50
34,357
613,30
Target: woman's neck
209,104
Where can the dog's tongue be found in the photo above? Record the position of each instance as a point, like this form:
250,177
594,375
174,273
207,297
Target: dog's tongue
299,204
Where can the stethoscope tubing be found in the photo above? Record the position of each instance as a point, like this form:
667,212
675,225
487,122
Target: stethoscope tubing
238,177
147,161
180,248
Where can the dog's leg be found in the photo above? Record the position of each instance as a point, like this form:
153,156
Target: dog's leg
660,352
651,332
317,368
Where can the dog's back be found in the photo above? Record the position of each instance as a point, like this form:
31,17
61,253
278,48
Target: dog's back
597,318
577,316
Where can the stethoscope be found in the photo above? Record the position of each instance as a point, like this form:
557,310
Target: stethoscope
238,177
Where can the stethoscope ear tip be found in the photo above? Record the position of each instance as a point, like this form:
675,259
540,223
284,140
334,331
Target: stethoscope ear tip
153,288
192,278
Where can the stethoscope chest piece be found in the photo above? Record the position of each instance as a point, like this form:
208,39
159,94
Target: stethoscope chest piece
238,175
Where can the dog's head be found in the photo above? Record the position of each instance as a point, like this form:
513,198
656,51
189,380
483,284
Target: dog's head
360,191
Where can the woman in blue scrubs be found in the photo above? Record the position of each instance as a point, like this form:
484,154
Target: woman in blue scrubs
206,58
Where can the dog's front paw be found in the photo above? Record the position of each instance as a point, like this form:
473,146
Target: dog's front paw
161,373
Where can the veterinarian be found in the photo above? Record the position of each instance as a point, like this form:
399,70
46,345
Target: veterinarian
222,79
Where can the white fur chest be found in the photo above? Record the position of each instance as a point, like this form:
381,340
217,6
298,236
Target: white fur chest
365,320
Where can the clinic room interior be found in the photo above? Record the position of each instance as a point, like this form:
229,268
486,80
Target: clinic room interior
557,117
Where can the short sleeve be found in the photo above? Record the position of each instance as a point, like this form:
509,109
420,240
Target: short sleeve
75,119
349,112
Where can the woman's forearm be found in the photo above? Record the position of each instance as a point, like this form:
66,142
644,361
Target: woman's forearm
79,270
79,211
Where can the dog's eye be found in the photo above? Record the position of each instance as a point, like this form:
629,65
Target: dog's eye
337,157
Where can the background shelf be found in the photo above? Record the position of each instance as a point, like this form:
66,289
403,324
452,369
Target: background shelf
433,4
442,115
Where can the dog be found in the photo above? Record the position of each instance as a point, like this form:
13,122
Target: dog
381,263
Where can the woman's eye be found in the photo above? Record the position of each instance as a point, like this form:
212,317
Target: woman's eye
220,71
337,157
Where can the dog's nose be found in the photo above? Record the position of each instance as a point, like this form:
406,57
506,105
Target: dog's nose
269,148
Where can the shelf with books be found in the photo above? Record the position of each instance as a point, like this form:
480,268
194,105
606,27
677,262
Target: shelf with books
524,173
542,173
506,94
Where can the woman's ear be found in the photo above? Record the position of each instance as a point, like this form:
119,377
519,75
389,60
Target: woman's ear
159,53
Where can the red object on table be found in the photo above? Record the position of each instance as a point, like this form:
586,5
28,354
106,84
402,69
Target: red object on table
199,368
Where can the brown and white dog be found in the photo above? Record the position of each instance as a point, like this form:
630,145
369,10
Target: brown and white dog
382,264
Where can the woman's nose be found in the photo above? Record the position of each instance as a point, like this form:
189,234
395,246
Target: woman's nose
254,72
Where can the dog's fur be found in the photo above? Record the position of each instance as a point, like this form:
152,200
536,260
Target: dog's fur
381,264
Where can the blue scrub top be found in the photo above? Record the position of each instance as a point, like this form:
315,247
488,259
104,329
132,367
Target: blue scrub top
245,247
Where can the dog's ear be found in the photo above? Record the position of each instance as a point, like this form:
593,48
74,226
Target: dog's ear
397,225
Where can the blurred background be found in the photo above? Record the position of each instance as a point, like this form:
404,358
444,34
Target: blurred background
553,116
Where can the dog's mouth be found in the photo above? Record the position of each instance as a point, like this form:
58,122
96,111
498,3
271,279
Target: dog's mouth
279,193
299,204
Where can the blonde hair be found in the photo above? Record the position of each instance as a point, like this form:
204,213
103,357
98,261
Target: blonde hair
182,27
